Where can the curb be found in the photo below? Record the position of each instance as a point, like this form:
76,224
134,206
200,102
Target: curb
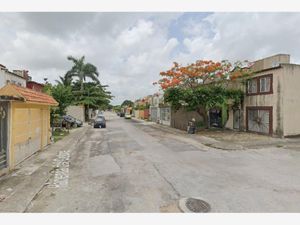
42,174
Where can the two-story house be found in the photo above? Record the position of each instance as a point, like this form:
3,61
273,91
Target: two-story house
272,99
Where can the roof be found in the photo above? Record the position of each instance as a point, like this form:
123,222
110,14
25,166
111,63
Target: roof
27,95
34,82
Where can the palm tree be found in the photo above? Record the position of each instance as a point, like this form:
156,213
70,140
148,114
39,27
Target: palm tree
93,96
65,80
82,70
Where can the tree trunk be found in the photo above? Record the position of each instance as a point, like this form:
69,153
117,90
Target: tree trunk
81,85
205,115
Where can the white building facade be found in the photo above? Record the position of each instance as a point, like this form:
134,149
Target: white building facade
10,77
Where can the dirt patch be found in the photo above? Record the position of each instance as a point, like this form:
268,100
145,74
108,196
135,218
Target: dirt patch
228,135
171,208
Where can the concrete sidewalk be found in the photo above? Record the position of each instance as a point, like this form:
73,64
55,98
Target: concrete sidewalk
229,140
18,188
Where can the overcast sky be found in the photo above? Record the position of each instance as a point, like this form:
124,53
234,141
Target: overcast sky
130,49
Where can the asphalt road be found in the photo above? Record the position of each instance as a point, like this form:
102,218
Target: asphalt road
135,167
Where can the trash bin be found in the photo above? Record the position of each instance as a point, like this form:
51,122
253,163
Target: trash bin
191,128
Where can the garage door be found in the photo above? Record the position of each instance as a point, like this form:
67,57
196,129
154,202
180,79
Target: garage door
259,119
27,132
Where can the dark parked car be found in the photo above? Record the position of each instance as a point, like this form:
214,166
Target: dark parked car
68,119
100,122
72,121
122,114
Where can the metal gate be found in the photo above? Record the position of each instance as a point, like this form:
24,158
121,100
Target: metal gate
153,114
236,119
215,117
3,134
260,119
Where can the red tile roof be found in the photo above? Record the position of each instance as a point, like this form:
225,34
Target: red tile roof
34,96
29,95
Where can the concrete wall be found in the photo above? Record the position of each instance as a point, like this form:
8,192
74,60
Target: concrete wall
229,123
270,62
30,130
76,111
6,76
291,99
181,117
136,114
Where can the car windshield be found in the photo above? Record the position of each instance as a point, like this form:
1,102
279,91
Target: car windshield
100,119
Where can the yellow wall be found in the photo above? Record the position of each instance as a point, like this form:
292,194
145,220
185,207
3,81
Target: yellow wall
30,130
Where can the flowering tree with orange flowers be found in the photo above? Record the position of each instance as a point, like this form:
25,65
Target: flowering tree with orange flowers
202,85
203,72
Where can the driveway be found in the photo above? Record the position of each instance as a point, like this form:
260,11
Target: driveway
135,167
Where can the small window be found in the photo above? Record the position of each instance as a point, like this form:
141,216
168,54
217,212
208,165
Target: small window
252,86
265,84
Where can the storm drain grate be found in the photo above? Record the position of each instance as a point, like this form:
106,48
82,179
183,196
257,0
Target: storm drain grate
194,205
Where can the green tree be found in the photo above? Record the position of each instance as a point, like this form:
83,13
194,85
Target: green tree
93,96
63,95
127,103
117,108
82,70
203,85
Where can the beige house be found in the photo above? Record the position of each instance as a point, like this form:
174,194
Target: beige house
24,124
272,100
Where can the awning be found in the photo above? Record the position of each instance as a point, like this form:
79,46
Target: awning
14,92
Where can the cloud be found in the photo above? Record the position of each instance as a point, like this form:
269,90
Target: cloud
121,45
130,49
134,35
243,36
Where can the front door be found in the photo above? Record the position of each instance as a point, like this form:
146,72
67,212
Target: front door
3,134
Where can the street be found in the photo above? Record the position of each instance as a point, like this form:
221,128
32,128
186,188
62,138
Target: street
134,167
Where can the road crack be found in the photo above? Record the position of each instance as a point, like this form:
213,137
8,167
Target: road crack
166,180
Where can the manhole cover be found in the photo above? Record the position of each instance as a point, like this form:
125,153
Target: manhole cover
194,205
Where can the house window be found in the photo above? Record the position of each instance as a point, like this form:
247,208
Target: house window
252,86
260,85
265,84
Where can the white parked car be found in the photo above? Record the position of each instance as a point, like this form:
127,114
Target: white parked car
127,116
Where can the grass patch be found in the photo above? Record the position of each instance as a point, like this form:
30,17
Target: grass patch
59,134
